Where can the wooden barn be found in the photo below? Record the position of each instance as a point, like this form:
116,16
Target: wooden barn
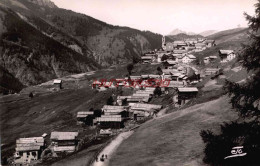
28,150
64,141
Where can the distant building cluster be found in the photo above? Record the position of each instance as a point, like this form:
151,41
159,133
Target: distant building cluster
180,51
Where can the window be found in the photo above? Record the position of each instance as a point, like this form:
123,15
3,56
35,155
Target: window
34,154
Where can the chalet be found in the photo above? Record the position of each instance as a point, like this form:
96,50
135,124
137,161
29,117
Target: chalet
154,76
138,99
57,83
116,110
176,84
200,47
144,77
179,44
134,78
201,40
132,99
149,89
105,132
226,55
142,95
183,51
169,71
28,150
160,54
148,59
169,64
191,41
85,117
144,109
64,141
166,77
184,95
138,115
188,58
169,47
209,43
110,121
150,93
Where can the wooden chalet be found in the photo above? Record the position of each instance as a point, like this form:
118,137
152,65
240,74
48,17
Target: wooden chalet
64,141
116,110
57,83
184,95
85,117
148,59
28,150
226,55
110,121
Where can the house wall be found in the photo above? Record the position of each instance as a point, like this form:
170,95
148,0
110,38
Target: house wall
231,57
27,157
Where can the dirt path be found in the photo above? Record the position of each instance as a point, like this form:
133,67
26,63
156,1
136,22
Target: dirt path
111,148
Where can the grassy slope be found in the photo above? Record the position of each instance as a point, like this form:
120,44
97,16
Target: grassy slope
228,35
229,39
24,117
174,138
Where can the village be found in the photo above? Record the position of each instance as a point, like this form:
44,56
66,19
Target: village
177,75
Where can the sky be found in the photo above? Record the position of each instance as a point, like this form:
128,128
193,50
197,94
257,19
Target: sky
163,16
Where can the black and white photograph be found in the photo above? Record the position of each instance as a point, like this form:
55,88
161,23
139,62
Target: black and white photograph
130,82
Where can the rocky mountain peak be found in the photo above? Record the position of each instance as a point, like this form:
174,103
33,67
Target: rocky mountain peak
44,3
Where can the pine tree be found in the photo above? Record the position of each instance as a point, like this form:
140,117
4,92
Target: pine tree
245,98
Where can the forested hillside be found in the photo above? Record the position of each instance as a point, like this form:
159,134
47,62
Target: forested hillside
40,41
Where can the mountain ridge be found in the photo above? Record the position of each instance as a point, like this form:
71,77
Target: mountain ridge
80,36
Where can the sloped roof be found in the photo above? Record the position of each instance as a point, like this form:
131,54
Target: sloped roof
29,144
109,118
30,140
147,57
171,62
56,81
107,107
191,56
142,94
213,57
173,84
64,148
226,51
84,114
144,105
188,89
63,135
154,76
27,148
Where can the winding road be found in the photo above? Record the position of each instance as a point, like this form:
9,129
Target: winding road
111,148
